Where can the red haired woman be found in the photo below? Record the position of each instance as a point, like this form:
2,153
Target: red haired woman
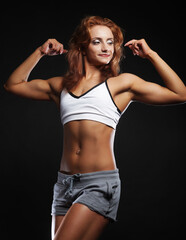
91,97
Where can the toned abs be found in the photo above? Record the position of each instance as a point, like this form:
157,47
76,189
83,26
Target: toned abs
87,147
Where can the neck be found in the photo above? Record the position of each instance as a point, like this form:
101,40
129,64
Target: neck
91,71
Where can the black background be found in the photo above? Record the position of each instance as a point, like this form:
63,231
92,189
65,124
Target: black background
150,140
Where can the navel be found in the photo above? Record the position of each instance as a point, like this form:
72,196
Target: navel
78,151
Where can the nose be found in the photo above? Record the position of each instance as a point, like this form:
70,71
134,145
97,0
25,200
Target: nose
104,48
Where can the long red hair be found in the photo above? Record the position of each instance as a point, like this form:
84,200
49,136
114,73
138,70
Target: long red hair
80,41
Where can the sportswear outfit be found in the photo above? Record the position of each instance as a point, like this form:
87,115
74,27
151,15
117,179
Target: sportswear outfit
99,191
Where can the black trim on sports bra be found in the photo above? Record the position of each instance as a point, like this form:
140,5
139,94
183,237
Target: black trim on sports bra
111,96
75,96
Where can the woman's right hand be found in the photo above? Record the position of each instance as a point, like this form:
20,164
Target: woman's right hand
52,48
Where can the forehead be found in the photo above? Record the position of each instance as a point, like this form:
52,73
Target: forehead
100,31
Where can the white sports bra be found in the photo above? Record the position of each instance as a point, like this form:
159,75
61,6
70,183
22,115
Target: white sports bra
96,104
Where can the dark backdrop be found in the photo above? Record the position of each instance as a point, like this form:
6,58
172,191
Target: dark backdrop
150,140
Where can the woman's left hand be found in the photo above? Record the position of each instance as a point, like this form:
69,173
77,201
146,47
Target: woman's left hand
139,47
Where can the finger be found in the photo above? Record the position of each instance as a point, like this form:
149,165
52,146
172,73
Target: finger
65,51
130,42
62,50
134,48
136,45
131,47
55,48
58,48
135,52
45,47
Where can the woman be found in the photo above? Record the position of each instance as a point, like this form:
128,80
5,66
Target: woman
91,97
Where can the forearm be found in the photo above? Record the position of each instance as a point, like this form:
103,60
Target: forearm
22,72
170,78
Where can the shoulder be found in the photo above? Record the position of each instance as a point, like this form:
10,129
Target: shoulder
122,82
127,78
56,84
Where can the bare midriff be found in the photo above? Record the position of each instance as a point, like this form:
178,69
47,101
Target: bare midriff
87,147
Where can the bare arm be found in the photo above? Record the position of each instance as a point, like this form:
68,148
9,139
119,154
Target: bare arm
174,90
39,89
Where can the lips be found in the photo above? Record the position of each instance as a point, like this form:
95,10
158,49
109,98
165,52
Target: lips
104,55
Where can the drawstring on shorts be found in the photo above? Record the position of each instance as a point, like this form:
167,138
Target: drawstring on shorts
71,179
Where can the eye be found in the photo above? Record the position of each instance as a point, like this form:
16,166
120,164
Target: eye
96,42
110,42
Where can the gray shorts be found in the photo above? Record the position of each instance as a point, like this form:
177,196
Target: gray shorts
99,191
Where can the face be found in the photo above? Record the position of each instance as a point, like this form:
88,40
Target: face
101,48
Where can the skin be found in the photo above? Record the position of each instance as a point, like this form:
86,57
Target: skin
82,139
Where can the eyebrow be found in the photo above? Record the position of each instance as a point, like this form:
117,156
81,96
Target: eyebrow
101,38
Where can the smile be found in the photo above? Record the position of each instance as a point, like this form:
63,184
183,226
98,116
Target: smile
104,55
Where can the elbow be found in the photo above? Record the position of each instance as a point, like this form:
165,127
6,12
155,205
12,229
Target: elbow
6,87
9,84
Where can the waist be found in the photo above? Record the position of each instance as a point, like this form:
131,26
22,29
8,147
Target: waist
89,158
87,163
107,174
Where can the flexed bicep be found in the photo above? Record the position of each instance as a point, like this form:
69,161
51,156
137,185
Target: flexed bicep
37,89
152,93
174,90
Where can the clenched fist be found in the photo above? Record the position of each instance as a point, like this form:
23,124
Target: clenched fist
52,48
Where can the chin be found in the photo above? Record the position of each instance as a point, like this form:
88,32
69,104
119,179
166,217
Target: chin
104,62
